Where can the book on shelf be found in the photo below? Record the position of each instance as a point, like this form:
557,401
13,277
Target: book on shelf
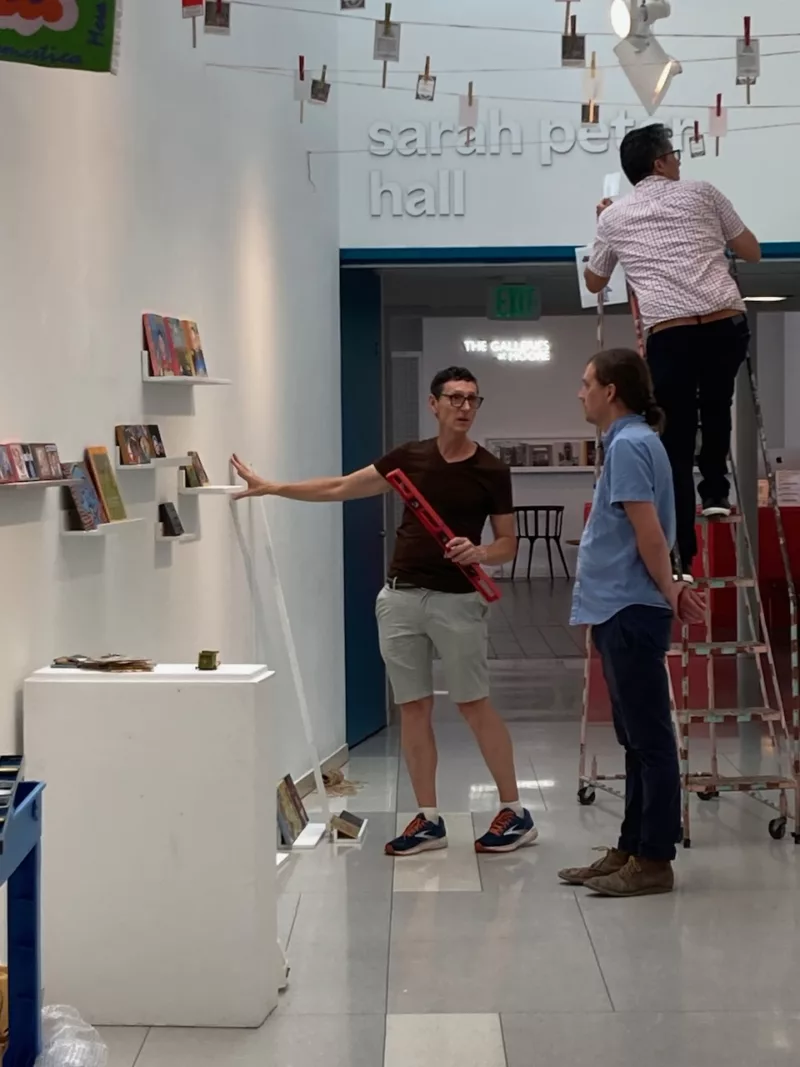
195,476
195,347
87,511
101,469
134,445
156,440
158,347
291,820
588,453
7,473
30,464
54,460
540,456
170,520
567,453
17,460
41,462
181,358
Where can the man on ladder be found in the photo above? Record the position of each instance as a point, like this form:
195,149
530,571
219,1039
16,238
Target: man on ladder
671,237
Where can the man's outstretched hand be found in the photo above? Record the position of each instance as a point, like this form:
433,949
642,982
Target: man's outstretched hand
255,486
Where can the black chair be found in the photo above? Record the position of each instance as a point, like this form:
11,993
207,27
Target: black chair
539,524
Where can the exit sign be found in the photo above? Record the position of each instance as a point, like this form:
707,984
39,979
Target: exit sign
514,302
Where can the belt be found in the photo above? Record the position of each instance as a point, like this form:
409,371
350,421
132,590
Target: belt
396,583
695,320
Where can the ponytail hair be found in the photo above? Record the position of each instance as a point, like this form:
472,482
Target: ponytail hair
628,372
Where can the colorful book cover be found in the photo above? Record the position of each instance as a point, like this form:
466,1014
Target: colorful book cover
41,462
199,469
75,34
159,452
146,443
105,482
17,462
289,820
54,460
157,343
130,449
181,358
195,347
30,464
6,468
170,520
84,497
294,796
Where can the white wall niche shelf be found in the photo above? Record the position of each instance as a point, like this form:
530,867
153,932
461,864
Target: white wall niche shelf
210,490
102,530
154,464
179,539
40,483
178,380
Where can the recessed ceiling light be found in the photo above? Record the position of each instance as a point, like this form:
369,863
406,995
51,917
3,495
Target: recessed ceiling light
765,299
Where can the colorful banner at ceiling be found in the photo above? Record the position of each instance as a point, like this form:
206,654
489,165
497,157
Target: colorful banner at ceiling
75,34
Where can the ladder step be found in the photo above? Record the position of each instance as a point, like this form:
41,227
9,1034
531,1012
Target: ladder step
725,583
735,517
739,784
720,648
714,715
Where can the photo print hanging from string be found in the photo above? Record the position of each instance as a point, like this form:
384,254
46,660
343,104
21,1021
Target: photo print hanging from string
748,59
387,41
590,113
426,83
217,16
573,46
697,143
352,5
321,88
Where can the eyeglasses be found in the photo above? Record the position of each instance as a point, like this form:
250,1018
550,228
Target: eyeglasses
677,152
458,400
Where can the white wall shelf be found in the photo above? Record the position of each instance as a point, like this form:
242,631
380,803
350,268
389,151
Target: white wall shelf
40,483
552,470
102,530
180,539
210,490
177,380
154,464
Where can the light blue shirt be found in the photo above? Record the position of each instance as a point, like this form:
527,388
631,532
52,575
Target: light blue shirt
611,573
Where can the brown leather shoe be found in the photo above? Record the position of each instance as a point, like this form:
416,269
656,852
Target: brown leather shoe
614,860
638,878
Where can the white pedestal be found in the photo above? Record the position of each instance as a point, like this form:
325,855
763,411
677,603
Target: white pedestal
159,899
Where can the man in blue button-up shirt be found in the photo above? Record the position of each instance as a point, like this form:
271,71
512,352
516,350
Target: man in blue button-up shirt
625,591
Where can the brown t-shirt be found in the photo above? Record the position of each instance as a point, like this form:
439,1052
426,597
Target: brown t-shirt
464,494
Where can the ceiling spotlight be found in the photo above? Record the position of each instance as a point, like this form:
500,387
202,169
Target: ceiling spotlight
648,67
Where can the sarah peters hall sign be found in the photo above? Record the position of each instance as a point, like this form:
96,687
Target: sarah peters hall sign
494,137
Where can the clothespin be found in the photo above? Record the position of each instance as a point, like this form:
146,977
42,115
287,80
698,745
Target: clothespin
191,10
591,111
301,74
718,122
470,105
567,20
387,22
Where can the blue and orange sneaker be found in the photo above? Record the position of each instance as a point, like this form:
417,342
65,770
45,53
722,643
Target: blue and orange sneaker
508,832
419,836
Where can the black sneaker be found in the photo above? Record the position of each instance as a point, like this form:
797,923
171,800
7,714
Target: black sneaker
716,507
419,836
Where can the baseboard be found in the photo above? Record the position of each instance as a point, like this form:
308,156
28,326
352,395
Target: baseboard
306,784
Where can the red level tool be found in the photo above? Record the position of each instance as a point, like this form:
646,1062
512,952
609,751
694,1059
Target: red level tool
441,531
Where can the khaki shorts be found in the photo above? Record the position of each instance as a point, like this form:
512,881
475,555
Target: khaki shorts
414,624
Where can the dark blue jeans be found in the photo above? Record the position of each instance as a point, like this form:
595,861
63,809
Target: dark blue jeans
632,646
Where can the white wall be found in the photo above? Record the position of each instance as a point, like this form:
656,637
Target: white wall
527,399
179,188
522,199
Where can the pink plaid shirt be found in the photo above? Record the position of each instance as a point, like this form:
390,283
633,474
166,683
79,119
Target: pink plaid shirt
670,238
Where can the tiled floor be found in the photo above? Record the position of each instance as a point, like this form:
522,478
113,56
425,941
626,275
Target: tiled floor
532,621
453,960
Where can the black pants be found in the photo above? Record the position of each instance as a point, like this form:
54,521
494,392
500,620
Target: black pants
632,646
694,369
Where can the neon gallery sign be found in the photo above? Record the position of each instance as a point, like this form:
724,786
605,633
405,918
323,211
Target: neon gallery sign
526,350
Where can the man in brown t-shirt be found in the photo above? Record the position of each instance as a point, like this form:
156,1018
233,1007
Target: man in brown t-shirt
428,606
